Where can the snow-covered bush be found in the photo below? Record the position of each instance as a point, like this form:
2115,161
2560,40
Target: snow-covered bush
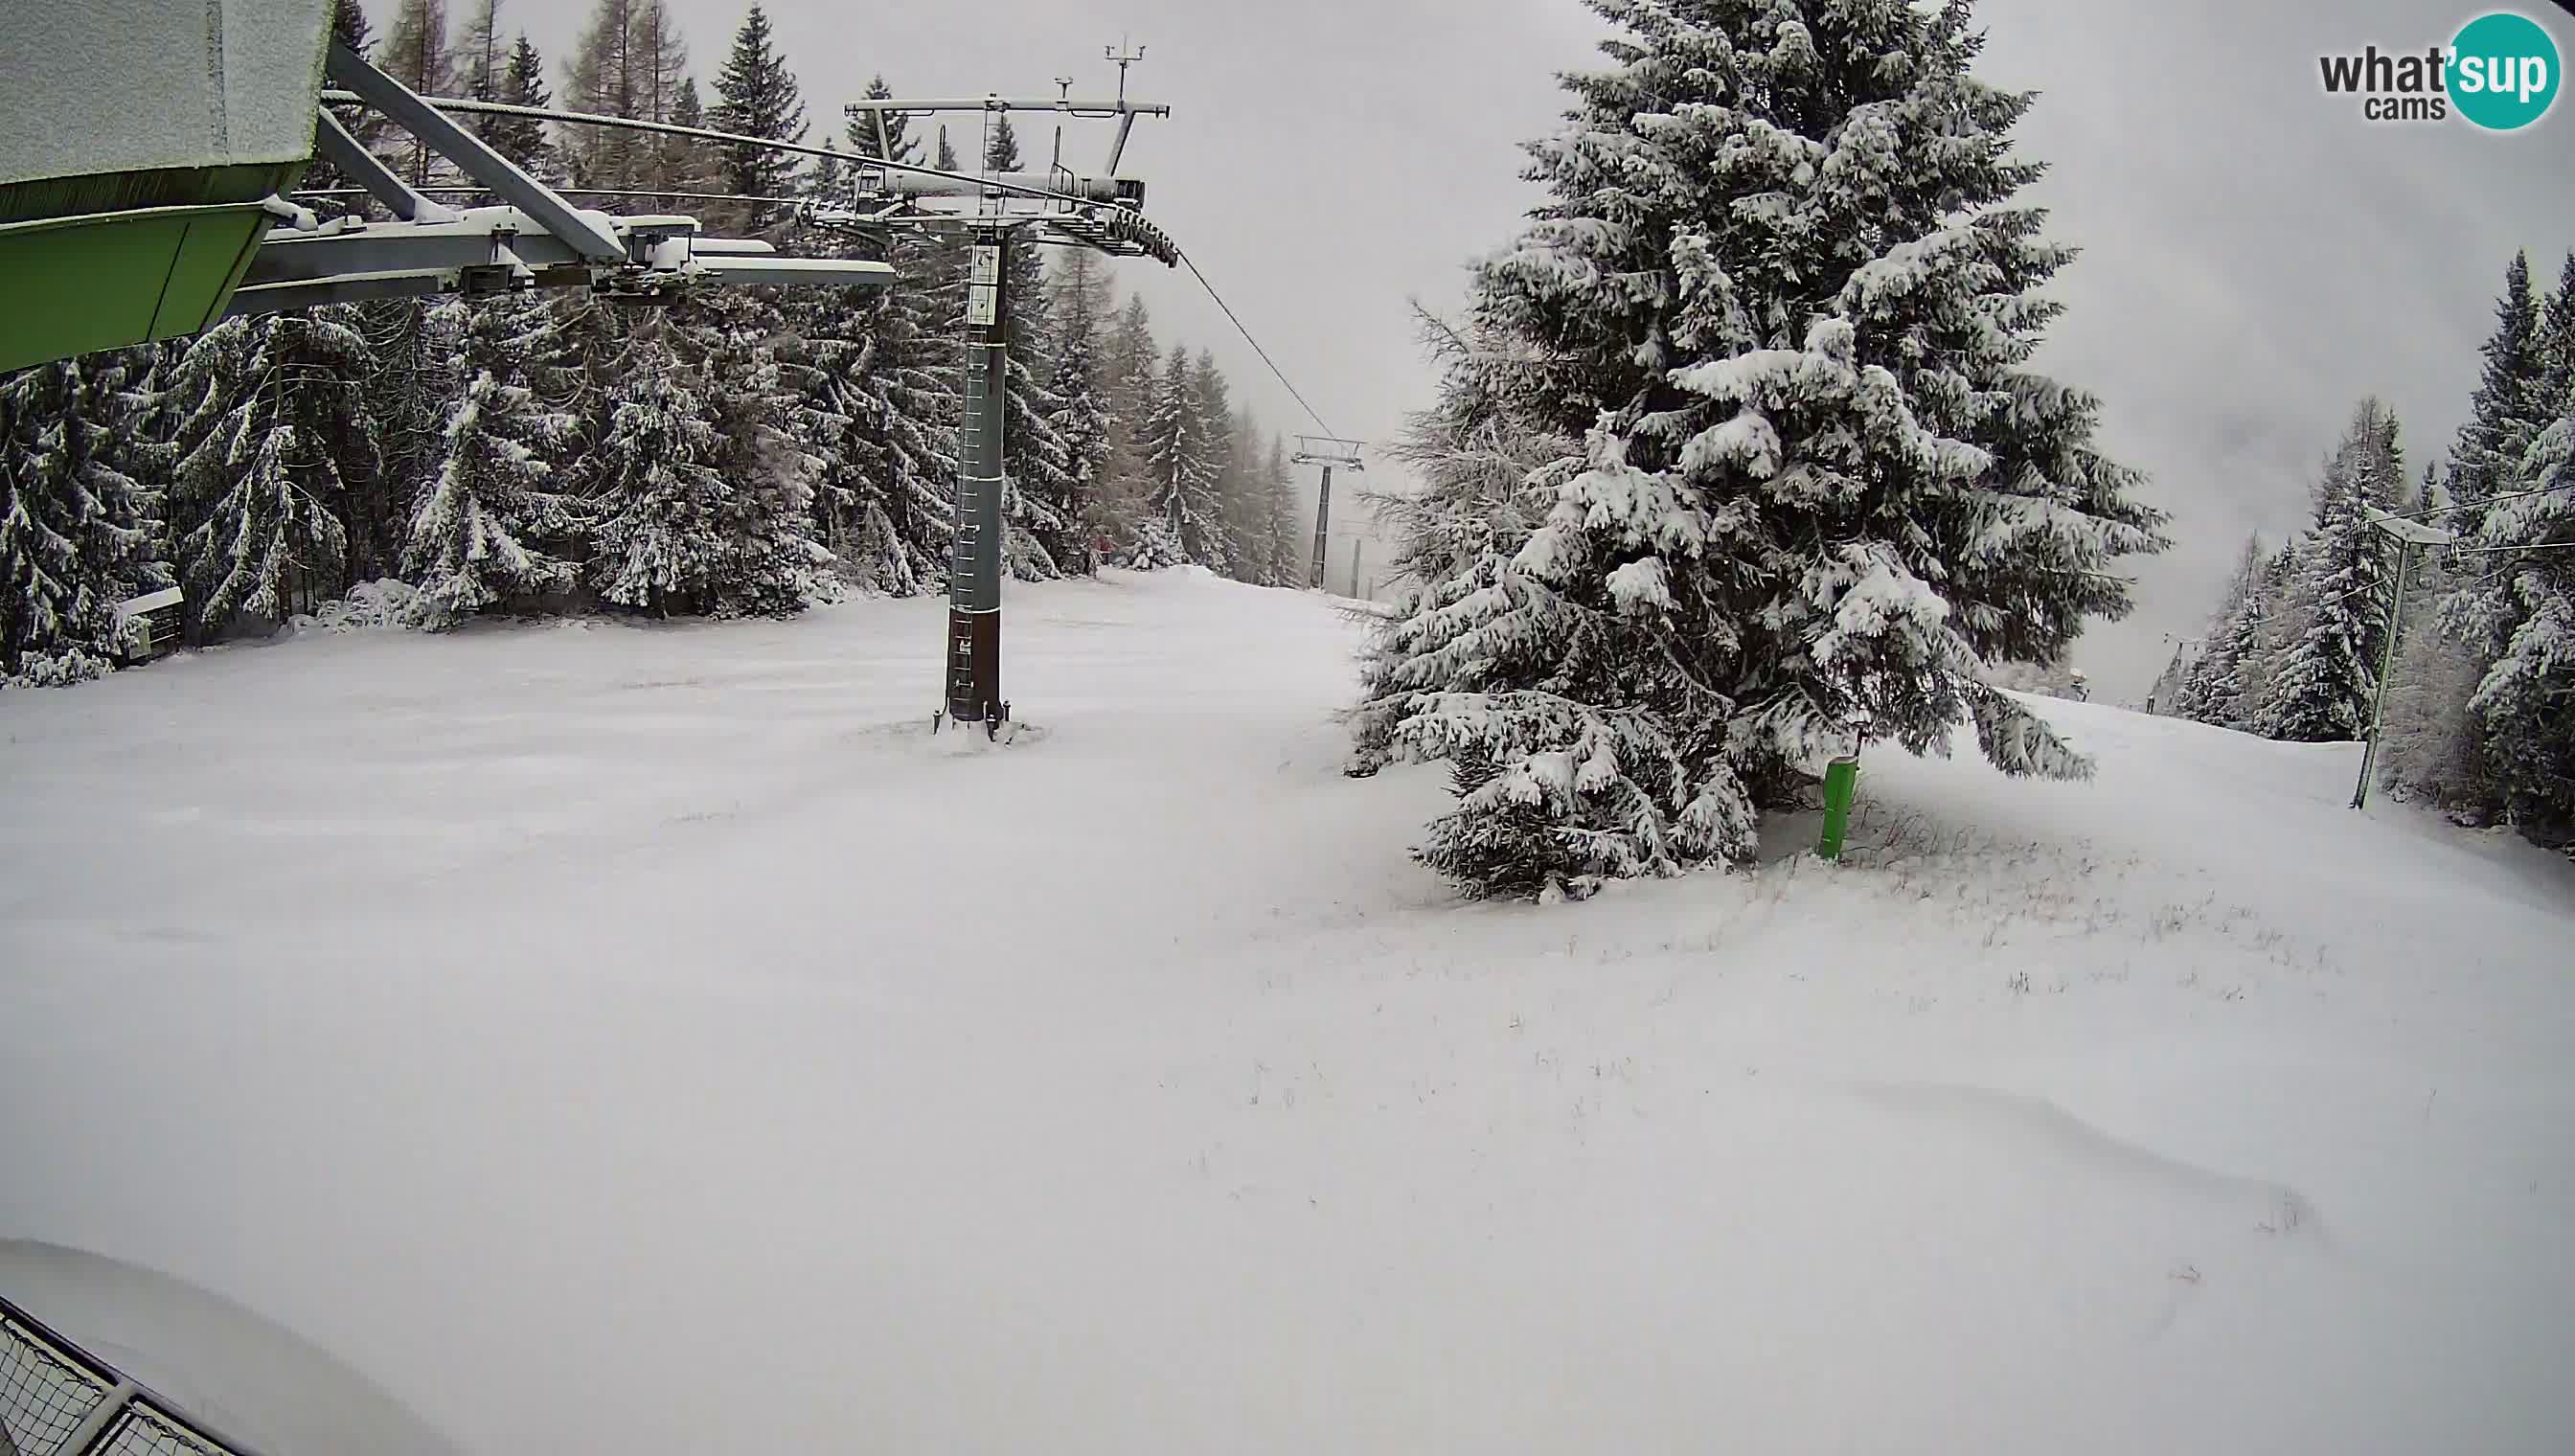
2429,749
58,670
369,607
2035,677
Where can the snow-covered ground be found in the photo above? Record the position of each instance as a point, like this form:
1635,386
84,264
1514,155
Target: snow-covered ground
611,1037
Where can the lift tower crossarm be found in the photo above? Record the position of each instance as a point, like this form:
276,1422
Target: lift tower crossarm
443,135
995,103
369,171
672,128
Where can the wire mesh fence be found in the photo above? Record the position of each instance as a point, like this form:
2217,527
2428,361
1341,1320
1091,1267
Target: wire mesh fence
146,1431
58,1400
46,1389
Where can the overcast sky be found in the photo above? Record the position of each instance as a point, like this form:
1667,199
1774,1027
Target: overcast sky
2257,256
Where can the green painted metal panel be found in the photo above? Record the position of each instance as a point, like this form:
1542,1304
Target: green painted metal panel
1841,785
108,281
210,263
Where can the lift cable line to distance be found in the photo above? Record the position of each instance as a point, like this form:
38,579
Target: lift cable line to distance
1310,413
861,159
672,128
2430,510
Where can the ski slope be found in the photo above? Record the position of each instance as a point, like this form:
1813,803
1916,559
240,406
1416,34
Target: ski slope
649,1039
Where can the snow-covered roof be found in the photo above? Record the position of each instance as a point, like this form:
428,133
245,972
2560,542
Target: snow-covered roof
112,86
151,602
2410,530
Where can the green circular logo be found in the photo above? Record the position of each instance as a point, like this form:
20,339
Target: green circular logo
2503,71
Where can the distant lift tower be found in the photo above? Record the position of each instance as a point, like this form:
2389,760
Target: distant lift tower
1330,453
999,215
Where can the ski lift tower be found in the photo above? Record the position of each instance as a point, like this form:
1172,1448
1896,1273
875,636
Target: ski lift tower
999,214
1330,453
2409,536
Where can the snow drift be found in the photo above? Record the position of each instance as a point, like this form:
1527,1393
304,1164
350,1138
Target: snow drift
649,1039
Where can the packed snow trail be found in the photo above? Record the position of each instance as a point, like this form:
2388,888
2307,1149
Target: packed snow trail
652,1038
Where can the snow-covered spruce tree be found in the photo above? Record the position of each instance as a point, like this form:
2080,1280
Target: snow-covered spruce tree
1082,418
1132,376
659,544
1246,500
1040,507
2327,677
494,523
2279,620
1485,481
2520,612
822,356
2212,687
411,392
2556,339
1486,475
272,424
1184,521
756,96
522,139
2507,412
1780,284
1286,548
75,534
857,413
772,565
685,164
904,433
914,419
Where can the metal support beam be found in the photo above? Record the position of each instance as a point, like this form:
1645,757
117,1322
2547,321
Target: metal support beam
443,104
975,556
500,250
2387,670
101,1416
363,167
748,271
897,106
253,299
1118,148
1050,186
483,237
1323,525
587,232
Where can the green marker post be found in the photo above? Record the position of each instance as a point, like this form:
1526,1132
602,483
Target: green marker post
1841,785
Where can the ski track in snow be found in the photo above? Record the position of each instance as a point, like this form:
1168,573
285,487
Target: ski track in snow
654,1038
